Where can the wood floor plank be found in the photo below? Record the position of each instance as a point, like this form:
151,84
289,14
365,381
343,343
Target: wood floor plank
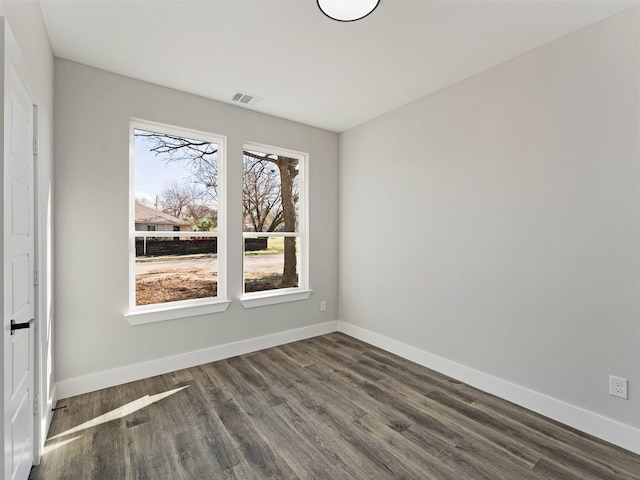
217,442
319,412
329,407
257,397
450,444
425,463
258,453
559,437
310,390
297,451
563,444
327,444
464,427
297,353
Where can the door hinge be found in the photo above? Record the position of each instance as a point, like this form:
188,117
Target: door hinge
35,146
36,408
36,278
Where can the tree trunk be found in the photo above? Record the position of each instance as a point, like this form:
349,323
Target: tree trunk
287,167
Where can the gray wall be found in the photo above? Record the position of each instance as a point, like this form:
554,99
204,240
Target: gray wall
496,223
93,108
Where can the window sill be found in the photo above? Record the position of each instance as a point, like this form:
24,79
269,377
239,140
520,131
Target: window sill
261,299
165,312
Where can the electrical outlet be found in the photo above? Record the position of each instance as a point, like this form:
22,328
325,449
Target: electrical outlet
323,306
618,386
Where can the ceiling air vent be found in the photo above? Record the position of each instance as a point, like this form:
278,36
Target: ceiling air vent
245,99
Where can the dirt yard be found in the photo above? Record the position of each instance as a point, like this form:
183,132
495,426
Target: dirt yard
191,278
159,286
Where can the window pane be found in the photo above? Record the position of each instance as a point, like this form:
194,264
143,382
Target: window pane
270,192
176,183
176,191
264,263
169,270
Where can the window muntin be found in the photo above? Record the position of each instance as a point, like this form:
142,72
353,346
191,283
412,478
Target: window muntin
274,220
177,211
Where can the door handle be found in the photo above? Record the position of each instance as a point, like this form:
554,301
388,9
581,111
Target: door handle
20,326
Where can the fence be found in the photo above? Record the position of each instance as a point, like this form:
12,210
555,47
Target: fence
150,247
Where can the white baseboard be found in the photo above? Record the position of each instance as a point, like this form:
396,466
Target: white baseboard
117,376
617,433
614,432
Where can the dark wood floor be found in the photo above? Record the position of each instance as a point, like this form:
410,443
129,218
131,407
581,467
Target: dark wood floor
330,407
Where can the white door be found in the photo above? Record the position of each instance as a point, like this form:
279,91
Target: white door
19,290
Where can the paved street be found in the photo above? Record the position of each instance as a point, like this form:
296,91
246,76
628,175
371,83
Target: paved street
255,264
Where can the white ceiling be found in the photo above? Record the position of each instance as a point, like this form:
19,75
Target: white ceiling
306,67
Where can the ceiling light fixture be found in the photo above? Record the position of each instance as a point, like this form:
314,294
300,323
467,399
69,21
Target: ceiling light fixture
347,10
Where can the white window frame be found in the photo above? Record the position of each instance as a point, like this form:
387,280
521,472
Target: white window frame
302,291
141,314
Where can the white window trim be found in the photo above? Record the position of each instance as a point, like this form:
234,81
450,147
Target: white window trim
137,315
175,310
302,291
274,297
